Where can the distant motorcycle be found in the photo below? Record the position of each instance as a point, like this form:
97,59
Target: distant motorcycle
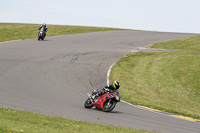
106,102
41,34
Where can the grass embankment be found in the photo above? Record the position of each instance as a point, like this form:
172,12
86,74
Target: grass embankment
188,44
15,31
13,121
162,80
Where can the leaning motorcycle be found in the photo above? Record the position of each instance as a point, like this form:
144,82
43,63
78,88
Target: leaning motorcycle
106,102
41,34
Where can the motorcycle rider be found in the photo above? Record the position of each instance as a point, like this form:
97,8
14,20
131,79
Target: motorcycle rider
110,88
44,27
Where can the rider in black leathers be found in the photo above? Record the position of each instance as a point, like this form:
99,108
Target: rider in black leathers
45,28
111,88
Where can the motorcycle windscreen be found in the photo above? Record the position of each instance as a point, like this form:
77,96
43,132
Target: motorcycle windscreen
117,96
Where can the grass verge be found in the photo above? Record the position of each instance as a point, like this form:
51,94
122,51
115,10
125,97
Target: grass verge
12,121
188,44
15,31
162,80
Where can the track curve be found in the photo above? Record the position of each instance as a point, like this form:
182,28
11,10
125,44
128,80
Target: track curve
53,76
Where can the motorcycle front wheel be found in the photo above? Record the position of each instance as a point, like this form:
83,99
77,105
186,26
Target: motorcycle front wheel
109,105
88,104
38,38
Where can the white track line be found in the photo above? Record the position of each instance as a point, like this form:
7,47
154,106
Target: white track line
108,74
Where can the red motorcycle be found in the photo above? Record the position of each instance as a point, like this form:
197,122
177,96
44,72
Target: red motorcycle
106,102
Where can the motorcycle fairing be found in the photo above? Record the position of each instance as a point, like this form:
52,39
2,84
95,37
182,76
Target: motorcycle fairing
101,100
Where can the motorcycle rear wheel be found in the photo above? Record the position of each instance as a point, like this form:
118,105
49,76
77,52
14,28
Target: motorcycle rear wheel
88,104
108,108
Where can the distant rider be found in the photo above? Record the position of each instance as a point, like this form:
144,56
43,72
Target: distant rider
110,88
44,27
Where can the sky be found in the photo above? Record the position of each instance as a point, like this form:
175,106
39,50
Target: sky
151,15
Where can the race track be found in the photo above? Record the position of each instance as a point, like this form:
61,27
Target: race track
53,76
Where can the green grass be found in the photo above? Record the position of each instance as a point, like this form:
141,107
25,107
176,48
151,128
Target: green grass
165,81
12,121
189,44
15,31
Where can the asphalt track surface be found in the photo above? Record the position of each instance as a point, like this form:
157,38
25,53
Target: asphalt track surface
52,77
